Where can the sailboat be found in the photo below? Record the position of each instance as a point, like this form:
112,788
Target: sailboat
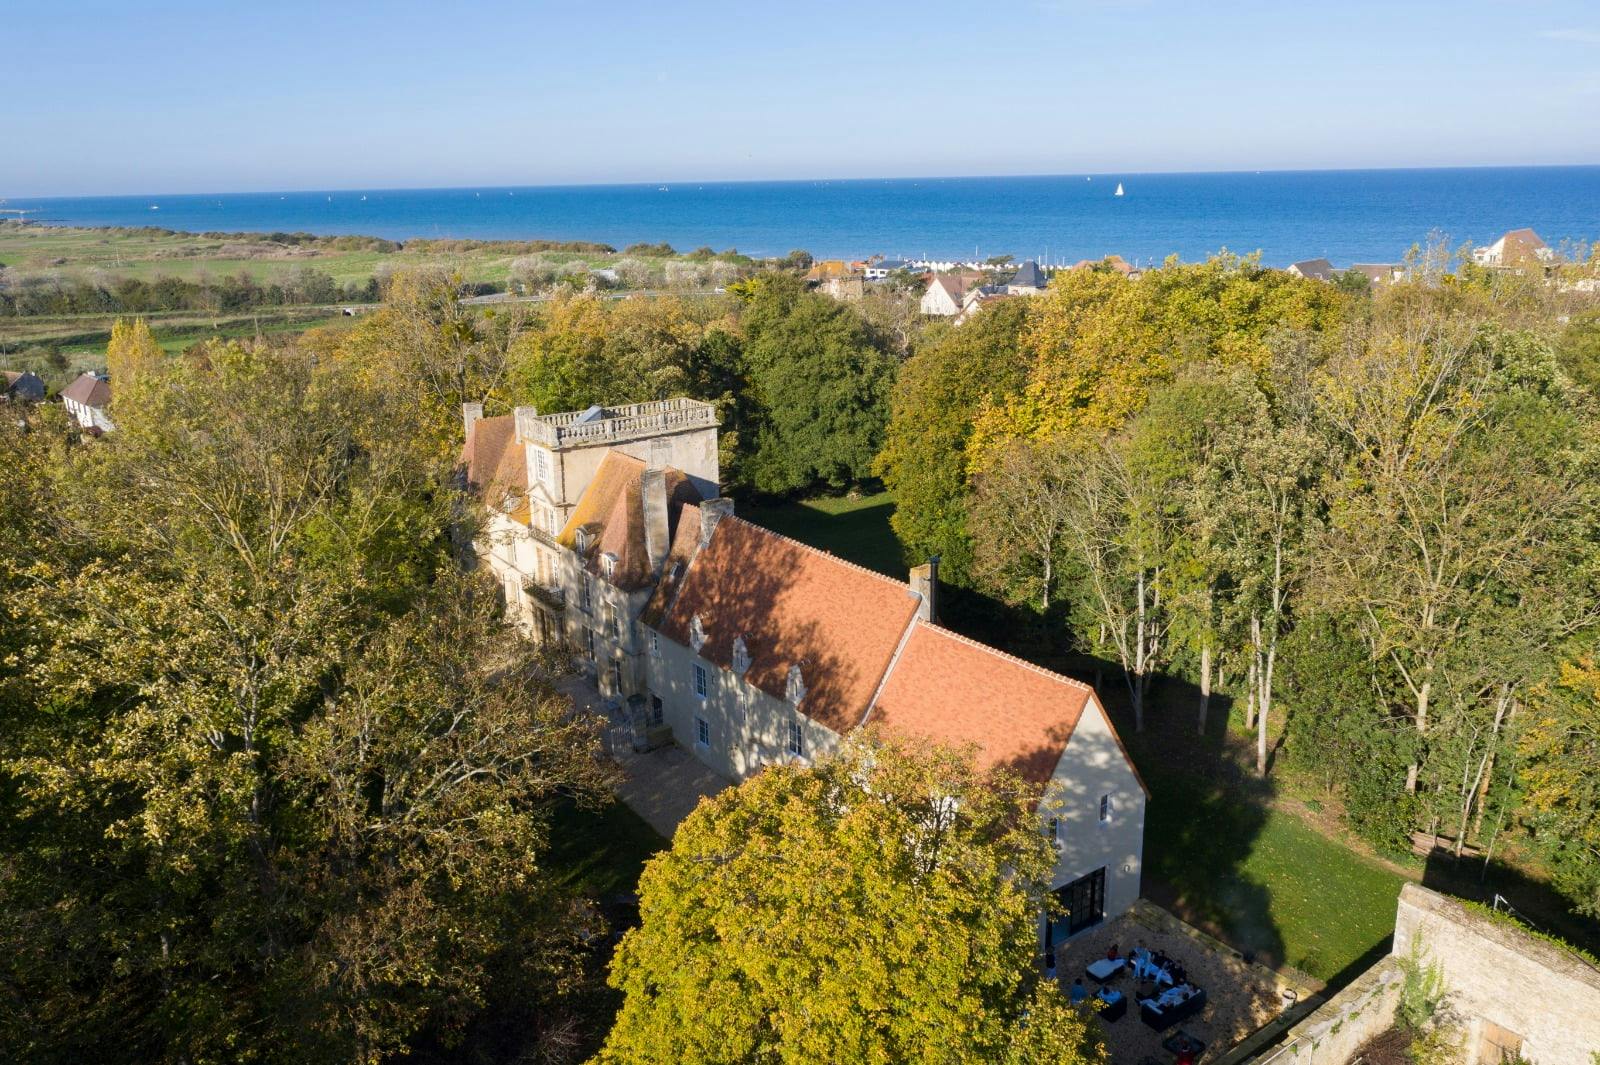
1119,189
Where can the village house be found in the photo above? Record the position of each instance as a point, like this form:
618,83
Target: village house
1114,263
86,400
845,287
1029,280
607,534
882,268
21,386
947,293
1314,269
1517,249
1379,273
978,298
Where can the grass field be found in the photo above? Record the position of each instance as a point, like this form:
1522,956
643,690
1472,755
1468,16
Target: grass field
1223,856
189,256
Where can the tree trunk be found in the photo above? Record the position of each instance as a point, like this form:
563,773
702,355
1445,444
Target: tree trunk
1205,687
1263,694
1488,772
1250,693
1422,730
1138,661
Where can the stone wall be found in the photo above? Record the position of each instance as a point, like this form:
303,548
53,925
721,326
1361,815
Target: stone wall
1502,980
1334,1031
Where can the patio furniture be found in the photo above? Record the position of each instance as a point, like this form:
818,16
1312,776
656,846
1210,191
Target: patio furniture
1162,1017
1182,1040
1116,1006
1104,969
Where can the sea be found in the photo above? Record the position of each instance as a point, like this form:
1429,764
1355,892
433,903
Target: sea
1342,215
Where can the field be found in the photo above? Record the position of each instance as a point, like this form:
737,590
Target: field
1219,850
190,256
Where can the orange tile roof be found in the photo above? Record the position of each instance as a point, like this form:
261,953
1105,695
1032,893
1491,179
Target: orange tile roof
613,507
793,605
496,465
959,693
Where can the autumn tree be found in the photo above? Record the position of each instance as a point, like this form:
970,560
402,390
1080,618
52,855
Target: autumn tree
131,356
1561,778
938,394
881,906
279,779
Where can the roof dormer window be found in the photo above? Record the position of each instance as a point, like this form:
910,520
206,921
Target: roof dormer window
794,689
583,541
741,656
697,633
608,565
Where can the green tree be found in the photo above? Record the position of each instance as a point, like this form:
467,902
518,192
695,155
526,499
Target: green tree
939,392
279,778
882,906
821,387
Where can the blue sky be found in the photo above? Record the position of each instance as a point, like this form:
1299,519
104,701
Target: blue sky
211,97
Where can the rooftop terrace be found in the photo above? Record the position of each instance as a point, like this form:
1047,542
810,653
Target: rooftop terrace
609,425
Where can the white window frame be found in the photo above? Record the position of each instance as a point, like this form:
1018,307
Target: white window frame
797,739
702,733
588,594
702,681
655,644
616,676
541,464
1107,808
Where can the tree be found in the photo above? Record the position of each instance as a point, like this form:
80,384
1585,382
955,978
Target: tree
1454,510
939,391
1561,779
279,778
1020,516
131,356
821,387
882,906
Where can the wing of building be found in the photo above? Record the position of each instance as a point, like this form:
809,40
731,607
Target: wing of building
747,648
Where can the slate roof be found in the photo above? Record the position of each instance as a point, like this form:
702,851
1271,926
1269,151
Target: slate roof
612,509
1029,276
89,390
1316,269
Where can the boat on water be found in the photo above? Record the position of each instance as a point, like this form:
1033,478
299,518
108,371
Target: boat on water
1119,189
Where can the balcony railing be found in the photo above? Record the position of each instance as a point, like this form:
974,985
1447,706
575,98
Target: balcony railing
614,423
553,598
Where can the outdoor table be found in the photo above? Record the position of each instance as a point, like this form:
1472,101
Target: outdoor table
1180,1041
1104,969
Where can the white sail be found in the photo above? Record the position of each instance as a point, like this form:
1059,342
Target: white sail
1119,189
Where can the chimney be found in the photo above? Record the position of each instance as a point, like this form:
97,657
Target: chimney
470,413
711,512
653,489
925,582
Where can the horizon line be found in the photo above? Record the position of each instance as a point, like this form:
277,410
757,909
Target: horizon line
667,182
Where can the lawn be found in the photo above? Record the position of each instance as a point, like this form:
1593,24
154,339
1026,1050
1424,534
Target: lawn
1224,858
856,529
600,852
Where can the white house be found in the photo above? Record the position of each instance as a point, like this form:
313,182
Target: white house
748,648
1518,248
86,400
945,295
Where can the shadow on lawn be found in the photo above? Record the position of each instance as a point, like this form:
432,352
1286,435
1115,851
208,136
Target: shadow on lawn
1205,811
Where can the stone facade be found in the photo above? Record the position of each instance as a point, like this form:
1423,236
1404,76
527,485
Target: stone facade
1506,986
600,523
